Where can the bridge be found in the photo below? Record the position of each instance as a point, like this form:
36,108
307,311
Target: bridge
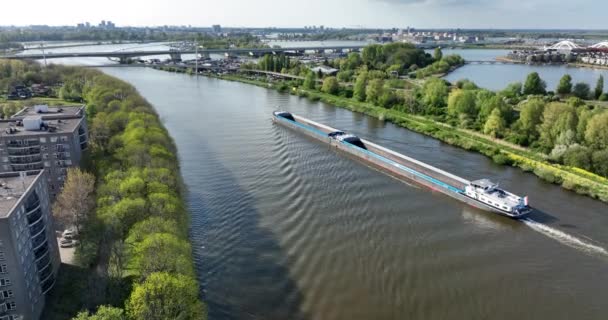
125,56
492,62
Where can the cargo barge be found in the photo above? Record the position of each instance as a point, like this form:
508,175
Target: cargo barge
482,194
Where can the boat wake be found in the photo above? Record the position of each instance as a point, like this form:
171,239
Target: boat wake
565,238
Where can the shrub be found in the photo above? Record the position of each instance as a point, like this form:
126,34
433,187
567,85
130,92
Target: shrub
502,159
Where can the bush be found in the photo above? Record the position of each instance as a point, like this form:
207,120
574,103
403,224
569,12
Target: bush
577,156
547,175
502,159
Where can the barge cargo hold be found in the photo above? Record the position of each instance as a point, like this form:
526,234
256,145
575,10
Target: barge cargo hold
482,194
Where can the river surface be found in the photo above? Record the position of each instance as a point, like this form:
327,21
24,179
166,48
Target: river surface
283,227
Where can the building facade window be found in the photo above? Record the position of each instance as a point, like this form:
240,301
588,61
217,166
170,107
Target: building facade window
3,269
4,282
6,294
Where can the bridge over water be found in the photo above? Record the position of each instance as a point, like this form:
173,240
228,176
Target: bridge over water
124,56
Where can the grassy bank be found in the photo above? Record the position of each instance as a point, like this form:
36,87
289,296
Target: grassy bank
500,151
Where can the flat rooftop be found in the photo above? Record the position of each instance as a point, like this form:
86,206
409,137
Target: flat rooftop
52,112
12,188
60,125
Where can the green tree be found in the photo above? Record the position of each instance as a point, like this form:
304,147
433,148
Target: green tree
372,55
330,85
495,125
352,62
438,55
310,80
596,134
599,87
578,156
534,84
374,90
103,313
461,105
486,101
345,75
558,119
565,85
150,226
512,91
74,204
161,252
164,296
581,90
388,99
599,160
530,117
434,95
466,84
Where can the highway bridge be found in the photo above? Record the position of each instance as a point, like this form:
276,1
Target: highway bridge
492,62
125,56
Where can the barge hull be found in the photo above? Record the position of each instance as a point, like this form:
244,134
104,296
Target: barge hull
390,162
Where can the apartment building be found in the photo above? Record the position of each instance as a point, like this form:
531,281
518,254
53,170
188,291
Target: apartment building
41,137
29,256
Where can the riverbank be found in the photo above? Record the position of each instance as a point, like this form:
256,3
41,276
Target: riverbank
500,151
134,254
588,66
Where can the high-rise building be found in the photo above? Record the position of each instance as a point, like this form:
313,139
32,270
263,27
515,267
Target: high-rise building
217,28
39,138
29,257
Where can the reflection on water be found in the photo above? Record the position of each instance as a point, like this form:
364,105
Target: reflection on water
485,221
284,227
497,77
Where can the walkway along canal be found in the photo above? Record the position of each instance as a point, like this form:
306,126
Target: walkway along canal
285,228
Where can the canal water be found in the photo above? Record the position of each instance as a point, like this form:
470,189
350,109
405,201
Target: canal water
283,227
498,76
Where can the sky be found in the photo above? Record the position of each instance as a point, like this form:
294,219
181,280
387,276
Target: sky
498,14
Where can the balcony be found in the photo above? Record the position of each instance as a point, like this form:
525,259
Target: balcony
27,167
44,262
25,159
32,202
44,274
24,151
23,144
48,284
37,227
84,146
34,216
41,251
38,240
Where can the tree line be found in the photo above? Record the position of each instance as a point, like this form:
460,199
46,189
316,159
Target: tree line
562,125
127,205
141,220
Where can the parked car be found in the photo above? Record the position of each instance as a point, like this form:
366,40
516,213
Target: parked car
69,234
66,243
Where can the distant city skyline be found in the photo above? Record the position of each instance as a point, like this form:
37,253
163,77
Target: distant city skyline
497,14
